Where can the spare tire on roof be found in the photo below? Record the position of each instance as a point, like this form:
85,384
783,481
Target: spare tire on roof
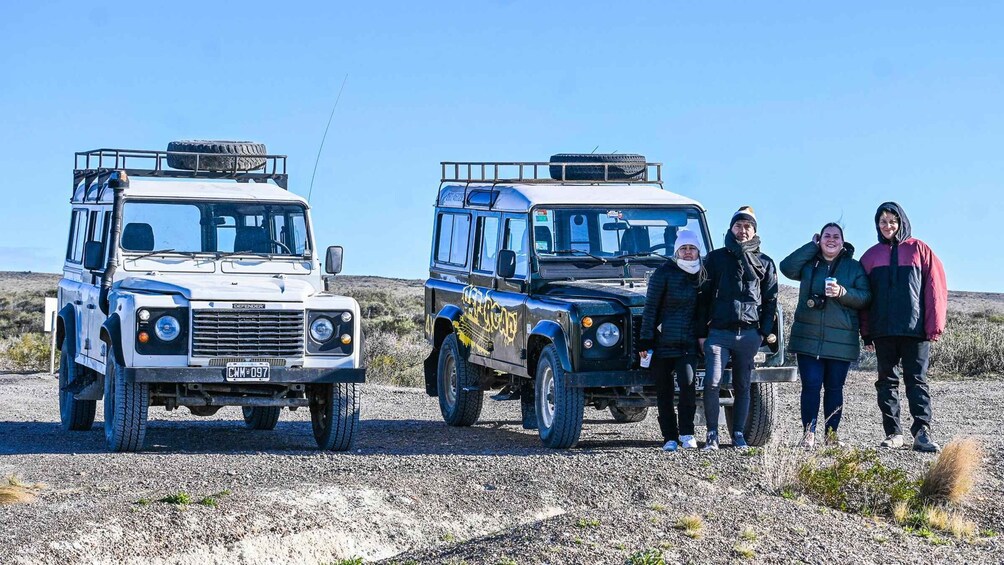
216,155
621,166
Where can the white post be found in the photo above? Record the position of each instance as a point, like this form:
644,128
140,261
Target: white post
51,305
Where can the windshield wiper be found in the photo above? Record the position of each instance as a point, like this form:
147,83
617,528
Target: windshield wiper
579,252
639,254
162,251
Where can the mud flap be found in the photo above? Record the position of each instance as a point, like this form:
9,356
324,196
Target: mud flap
431,366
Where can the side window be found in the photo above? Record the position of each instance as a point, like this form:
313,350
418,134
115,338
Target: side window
452,236
515,240
488,244
96,230
78,230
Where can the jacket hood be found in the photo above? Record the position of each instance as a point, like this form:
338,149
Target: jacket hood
194,288
627,295
904,223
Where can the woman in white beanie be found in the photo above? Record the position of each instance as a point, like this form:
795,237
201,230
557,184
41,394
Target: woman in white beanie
667,328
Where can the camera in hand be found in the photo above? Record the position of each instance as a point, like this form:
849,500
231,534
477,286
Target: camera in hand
816,301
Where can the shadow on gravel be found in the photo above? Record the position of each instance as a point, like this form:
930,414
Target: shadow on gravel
374,437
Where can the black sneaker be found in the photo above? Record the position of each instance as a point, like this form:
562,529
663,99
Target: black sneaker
923,442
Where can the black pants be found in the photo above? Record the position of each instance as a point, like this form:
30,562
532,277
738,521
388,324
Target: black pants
913,354
663,369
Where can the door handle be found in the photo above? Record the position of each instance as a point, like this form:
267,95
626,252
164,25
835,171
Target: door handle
90,307
78,302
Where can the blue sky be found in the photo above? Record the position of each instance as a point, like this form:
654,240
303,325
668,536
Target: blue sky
809,112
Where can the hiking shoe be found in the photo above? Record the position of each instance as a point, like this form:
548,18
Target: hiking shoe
712,442
688,442
923,442
670,446
894,441
808,441
738,441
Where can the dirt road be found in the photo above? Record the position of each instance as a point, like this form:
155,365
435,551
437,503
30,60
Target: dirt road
415,490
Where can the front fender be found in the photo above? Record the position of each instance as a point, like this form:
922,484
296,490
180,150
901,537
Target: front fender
111,333
550,331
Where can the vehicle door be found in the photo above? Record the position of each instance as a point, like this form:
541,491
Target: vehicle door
71,289
93,317
510,294
482,321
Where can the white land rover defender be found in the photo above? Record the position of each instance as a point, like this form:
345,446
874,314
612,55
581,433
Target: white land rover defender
192,279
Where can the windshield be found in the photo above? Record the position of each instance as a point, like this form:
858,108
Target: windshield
215,227
601,233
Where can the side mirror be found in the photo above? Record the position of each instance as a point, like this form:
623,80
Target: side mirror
333,262
93,256
505,265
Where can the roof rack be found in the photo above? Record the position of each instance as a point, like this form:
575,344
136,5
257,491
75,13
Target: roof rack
100,162
529,172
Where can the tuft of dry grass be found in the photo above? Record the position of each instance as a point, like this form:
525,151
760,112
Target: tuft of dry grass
744,551
16,491
952,475
901,512
691,525
780,462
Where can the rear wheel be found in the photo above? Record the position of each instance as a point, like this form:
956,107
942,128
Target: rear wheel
559,409
261,417
76,415
334,415
460,396
762,418
623,415
126,406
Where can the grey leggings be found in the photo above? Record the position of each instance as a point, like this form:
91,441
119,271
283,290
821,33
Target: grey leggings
741,347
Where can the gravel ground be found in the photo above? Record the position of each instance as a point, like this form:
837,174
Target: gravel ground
415,490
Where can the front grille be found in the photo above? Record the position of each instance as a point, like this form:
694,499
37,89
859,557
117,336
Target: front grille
243,333
222,361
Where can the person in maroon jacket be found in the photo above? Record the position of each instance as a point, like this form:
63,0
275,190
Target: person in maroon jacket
908,311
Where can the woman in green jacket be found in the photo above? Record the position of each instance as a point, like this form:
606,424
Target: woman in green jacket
833,287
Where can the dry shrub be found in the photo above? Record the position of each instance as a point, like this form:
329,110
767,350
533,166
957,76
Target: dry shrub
691,525
29,352
970,347
780,462
14,491
953,473
901,512
395,360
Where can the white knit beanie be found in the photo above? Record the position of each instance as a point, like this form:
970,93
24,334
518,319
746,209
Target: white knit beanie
686,237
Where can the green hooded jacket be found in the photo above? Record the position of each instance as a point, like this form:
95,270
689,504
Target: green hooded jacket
830,332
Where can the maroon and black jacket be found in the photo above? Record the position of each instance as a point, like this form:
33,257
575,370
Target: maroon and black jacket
909,292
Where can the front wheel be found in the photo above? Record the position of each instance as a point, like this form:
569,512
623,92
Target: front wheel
559,408
126,406
75,415
261,417
334,415
762,415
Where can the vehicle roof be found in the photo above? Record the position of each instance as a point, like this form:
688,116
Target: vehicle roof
195,190
522,197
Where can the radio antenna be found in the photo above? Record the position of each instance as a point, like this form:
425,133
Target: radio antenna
325,136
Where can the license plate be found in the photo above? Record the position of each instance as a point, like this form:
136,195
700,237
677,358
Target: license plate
760,357
247,371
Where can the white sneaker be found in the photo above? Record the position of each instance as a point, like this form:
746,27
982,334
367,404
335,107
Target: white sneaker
688,442
893,441
670,446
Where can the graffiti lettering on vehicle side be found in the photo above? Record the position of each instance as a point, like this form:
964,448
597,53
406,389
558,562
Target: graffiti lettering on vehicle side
484,318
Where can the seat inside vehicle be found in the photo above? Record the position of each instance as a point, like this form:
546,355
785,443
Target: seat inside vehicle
137,237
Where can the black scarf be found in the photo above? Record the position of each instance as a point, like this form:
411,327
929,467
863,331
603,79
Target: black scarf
748,254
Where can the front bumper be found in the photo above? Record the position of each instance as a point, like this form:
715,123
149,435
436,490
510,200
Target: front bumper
277,375
601,379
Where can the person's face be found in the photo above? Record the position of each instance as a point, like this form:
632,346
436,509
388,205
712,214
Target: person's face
888,225
743,230
688,253
831,242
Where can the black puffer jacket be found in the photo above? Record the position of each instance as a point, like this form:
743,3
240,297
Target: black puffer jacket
733,299
672,302
830,332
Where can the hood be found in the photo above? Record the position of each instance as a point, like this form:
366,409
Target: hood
204,288
602,290
904,223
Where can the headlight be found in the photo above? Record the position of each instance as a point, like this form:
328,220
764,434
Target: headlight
608,334
322,330
167,328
